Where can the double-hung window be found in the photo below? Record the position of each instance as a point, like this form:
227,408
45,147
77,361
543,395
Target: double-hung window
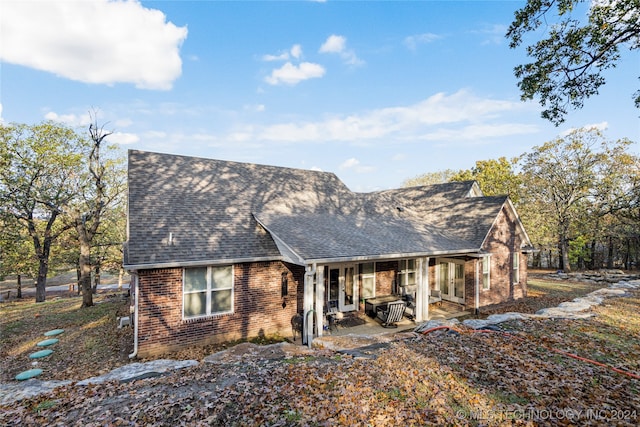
516,267
407,272
207,291
486,267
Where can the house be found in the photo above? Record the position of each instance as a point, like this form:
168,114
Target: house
223,250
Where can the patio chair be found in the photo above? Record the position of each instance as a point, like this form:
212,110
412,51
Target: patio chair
391,314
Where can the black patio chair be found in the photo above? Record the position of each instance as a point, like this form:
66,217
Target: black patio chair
390,315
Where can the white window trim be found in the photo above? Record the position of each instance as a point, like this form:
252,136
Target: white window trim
406,271
208,293
486,261
367,275
516,268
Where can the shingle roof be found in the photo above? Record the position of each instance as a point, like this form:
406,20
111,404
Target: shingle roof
186,210
204,206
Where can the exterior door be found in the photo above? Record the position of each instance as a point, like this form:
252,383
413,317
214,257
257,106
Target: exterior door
343,286
451,280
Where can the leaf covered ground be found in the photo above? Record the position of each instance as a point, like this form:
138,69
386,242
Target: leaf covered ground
443,378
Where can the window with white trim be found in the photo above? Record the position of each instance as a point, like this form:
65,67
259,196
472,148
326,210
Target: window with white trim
407,272
207,291
516,267
368,280
486,268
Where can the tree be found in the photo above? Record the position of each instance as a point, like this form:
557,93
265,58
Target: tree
38,178
430,178
569,62
16,252
101,187
495,177
563,179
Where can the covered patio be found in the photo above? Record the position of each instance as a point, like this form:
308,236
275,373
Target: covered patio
366,325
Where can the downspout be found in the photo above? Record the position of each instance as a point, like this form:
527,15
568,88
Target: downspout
135,314
308,301
477,289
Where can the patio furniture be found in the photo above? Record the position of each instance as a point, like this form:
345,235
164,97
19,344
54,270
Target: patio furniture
391,314
371,305
435,297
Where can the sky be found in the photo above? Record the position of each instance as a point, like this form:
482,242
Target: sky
375,91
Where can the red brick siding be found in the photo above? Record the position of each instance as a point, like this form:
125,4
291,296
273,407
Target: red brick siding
501,243
258,308
385,275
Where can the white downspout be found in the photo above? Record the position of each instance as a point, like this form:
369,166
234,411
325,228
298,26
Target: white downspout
135,314
308,304
477,296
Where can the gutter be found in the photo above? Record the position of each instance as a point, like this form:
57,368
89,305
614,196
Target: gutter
135,321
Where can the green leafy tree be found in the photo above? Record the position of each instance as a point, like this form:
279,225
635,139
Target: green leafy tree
430,178
563,179
16,252
568,63
38,178
495,177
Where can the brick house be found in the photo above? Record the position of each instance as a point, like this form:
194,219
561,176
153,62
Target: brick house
223,250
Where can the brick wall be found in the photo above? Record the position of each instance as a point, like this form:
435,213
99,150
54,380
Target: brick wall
385,275
259,308
501,243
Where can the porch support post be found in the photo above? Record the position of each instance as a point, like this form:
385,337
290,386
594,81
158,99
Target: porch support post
422,293
307,325
320,299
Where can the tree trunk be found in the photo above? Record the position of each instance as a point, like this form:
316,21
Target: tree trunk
96,278
41,281
19,286
610,254
120,278
564,255
85,271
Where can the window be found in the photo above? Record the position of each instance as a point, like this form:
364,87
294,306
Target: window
368,279
516,267
486,266
407,272
207,291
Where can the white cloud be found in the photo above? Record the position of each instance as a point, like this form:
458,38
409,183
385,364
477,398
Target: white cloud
334,44
480,132
99,41
602,126
70,119
406,122
122,138
492,34
296,51
338,45
350,163
354,164
293,74
413,41
123,123
1,119
280,57
316,168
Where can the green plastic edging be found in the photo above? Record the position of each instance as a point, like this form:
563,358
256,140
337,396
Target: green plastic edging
28,374
48,342
40,354
53,332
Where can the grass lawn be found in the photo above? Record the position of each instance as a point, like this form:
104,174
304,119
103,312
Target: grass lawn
441,378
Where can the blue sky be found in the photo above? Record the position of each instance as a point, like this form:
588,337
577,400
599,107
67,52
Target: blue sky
376,92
